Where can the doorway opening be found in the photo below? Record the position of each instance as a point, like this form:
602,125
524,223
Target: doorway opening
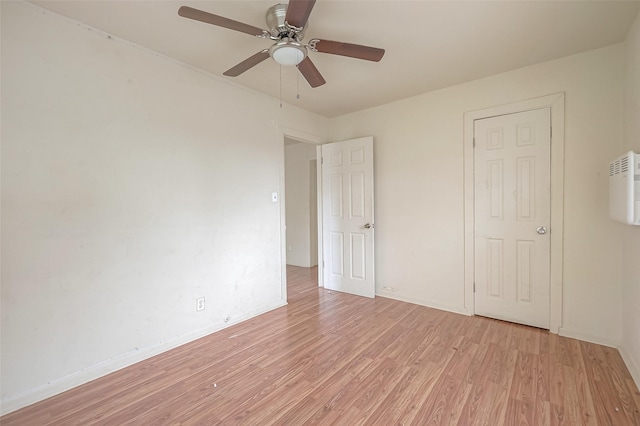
301,205
327,213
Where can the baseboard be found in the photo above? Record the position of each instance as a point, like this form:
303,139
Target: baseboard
428,304
117,363
588,338
632,366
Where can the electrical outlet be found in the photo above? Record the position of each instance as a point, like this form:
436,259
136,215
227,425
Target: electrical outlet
200,304
274,197
387,288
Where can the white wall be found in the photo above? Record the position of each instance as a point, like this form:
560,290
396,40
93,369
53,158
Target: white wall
298,203
131,185
418,146
630,235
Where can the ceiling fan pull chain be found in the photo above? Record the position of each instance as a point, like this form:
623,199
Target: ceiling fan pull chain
280,86
297,84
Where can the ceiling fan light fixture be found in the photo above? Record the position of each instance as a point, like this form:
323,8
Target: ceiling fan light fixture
288,52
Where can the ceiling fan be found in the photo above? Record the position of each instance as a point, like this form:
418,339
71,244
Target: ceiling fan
286,25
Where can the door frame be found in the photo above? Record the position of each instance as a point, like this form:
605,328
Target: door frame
319,213
555,103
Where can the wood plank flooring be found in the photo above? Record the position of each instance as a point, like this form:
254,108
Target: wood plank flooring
332,358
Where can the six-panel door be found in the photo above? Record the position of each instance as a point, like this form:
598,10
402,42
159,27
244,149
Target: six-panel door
347,186
512,217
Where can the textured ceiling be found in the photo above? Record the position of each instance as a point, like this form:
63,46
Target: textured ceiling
429,44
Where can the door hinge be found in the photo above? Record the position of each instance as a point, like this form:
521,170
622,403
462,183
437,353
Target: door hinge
323,264
474,287
321,160
474,142
551,132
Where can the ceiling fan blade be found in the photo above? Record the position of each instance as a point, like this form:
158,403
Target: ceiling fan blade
250,62
311,73
221,21
347,49
298,12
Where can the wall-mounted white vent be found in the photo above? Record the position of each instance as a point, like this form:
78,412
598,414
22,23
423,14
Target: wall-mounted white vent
624,189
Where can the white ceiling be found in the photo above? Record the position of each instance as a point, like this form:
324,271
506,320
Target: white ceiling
429,44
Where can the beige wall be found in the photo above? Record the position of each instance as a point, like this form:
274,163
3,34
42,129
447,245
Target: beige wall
418,145
298,204
630,235
131,185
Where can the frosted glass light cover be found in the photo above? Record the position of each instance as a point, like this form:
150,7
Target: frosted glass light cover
288,55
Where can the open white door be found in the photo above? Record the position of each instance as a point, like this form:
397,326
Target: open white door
347,216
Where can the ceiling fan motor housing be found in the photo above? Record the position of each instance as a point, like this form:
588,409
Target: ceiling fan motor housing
277,26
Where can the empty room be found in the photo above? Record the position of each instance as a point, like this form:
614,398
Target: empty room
243,212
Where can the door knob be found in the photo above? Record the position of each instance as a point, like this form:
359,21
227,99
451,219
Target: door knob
541,230
368,225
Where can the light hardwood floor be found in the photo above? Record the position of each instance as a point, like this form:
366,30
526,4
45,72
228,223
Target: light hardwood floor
332,358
